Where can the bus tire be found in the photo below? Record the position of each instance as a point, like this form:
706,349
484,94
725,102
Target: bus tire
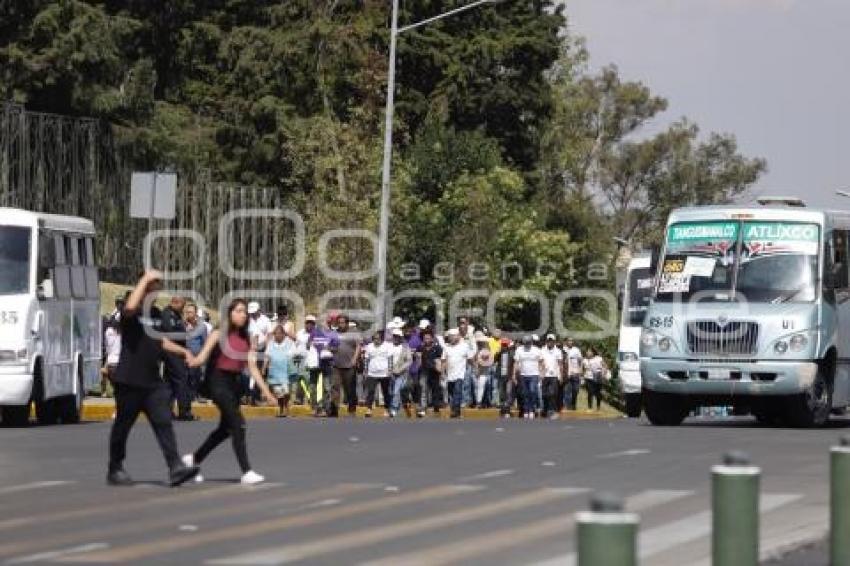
71,406
45,409
664,409
16,415
633,406
811,408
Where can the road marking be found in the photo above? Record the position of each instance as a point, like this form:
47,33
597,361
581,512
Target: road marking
54,554
32,486
175,498
119,528
632,452
522,534
373,535
654,498
489,475
248,530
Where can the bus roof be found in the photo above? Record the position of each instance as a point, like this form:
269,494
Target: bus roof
736,212
19,217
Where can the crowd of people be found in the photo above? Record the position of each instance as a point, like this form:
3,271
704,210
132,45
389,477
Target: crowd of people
409,367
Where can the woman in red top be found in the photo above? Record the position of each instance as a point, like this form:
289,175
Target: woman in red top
229,351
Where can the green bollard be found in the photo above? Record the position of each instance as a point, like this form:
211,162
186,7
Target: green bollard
607,536
839,503
735,512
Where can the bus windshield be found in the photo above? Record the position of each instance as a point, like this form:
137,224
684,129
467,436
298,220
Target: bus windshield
638,295
14,260
763,262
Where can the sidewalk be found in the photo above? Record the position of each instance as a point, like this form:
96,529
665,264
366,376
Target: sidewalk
101,409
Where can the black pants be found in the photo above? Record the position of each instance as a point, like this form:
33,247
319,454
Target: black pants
177,375
550,396
371,384
155,403
594,390
435,388
571,388
224,392
344,382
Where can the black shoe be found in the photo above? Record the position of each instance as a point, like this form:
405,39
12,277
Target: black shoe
188,418
119,478
182,474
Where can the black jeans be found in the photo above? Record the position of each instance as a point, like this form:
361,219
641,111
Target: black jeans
571,387
155,403
594,390
371,383
550,395
344,382
225,392
434,392
177,375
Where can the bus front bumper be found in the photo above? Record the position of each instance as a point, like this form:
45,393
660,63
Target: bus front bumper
15,384
629,374
756,378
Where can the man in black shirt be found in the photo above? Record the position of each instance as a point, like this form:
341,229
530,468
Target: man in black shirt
176,371
139,387
431,354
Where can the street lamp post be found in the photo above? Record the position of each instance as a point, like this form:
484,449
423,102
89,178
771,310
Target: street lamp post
386,171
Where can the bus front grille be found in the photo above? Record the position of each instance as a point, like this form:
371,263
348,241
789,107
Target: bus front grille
708,338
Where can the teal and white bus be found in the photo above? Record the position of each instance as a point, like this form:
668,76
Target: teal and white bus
751,308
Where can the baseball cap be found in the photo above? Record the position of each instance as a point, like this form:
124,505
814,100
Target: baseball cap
535,337
310,318
424,323
398,332
253,307
453,332
550,337
527,339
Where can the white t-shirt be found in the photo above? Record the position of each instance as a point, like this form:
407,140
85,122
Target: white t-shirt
378,359
113,346
311,356
259,328
456,356
552,359
574,361
528,360
593,367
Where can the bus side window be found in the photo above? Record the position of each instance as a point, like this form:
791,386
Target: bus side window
62,268
838,264
78,274
92,283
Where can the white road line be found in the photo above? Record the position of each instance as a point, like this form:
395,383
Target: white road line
632,452
54,554
373,535
489,475
32,486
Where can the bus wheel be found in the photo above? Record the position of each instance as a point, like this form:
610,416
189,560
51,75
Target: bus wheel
768,417
16,415
45,409
633,407
71,406
663,409
811,409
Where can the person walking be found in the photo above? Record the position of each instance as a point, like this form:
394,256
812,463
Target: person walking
595,373
467,335
528,367
229,352
278,367
346,352
400,368
553,361
573,364
196,337
483,366
176,371
139,387
377,360
112,347
457,358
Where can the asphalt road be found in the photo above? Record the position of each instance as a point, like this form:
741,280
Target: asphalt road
401,492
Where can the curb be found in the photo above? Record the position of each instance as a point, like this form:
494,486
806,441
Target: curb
102,410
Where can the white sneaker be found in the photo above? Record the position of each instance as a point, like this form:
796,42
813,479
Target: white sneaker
251,477
189,461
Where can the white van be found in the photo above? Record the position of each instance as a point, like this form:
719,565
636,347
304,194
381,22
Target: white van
635,297
50,327
751,308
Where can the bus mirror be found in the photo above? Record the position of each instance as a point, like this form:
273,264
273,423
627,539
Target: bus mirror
45,290
654,252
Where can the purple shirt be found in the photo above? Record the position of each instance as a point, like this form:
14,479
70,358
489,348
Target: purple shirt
414,342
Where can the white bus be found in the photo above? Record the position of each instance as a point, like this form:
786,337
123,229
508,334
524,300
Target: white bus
635,297
50,328
751,308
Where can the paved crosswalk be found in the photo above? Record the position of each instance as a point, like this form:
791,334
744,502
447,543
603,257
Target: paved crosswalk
365,523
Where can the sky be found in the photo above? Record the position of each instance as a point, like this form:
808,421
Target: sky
775,73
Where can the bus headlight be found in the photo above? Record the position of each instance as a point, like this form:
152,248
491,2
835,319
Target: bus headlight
780,347
628,357
648,338
798,342
664,344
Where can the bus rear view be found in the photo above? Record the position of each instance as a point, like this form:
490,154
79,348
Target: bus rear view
749,310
